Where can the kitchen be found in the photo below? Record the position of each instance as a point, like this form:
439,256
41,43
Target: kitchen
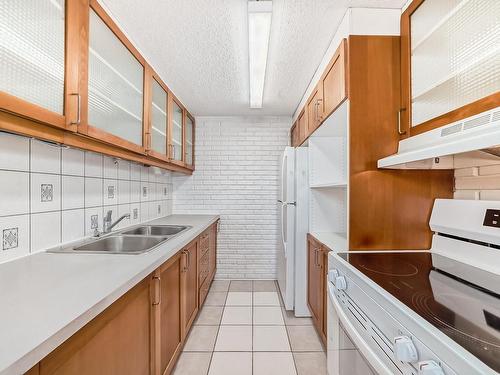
304,187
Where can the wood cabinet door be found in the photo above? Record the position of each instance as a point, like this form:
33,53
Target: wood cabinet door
116,342
293,135
314,111
116,89
302,126
333,82
314,285
40,55
213,250
189,286
189,141
167,315
176,133
156,134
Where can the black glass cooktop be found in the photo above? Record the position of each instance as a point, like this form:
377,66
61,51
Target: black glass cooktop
460,300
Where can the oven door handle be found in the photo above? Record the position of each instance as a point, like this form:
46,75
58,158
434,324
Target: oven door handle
375,362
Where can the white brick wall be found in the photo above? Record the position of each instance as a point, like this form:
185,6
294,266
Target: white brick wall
477,176
236,176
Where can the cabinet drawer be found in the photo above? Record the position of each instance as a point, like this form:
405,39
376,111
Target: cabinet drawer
204,242
204,267
204,291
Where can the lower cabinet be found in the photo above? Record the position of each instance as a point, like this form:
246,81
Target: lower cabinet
142,332
189,286
166,324
317,260
115,342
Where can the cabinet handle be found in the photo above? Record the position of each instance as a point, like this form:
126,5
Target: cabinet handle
316,257
318,103
78,109
159,290
400,132
189,259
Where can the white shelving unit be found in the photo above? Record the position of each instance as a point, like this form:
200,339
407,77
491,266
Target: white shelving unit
328,178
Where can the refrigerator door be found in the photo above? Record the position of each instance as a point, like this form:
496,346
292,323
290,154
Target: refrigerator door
286,208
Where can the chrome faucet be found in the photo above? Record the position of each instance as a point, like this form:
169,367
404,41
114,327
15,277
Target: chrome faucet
107,225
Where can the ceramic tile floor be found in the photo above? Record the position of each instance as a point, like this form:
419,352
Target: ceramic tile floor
243,329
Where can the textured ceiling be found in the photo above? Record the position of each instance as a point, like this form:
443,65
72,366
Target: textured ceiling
200,48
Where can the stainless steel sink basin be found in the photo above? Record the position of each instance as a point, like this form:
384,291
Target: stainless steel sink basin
121,245
156,230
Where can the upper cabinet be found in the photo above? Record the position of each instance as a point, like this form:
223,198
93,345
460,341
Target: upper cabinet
115,86
68,74
450,57
177,133
327,96
189,141
36,61
158,120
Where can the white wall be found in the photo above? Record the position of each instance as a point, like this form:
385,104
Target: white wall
51,194
236,176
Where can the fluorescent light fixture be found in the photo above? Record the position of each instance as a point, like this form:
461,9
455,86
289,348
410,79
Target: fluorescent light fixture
259,29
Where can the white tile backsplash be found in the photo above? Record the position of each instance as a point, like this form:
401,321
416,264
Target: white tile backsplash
14,193
15,232
73,192
73,162
93,164
45,199
45,192
45,230
45,157
73,225
14,152
93,192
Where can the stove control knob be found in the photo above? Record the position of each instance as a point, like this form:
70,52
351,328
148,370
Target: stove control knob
429,368
340,283
332,274
405,350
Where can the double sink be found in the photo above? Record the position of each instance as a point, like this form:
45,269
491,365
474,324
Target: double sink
137,240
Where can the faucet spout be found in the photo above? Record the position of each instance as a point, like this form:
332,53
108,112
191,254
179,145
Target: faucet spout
108,225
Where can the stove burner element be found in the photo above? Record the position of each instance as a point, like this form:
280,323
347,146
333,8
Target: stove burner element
402,269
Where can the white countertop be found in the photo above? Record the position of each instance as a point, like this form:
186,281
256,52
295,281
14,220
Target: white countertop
337,242
47,297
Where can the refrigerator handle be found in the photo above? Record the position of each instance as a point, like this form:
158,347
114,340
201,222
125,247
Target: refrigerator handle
283,228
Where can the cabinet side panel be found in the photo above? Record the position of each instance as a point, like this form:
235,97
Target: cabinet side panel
388,209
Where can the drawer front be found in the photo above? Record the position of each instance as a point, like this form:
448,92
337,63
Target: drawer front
204,291
204,267
204,242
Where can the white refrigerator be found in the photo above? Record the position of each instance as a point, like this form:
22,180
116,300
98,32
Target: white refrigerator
293,202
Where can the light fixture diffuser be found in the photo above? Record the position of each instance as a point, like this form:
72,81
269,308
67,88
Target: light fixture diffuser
259,29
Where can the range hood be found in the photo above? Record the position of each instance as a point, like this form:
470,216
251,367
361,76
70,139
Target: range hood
436,148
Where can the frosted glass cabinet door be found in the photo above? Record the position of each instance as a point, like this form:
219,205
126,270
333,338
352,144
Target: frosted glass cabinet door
177,144
189,140
116,81
455,56
159,119
32,51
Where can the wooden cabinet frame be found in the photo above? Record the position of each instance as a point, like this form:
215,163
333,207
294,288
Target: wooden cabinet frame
149,124
93,131
188,115
474,108
72,128
170,150
72,65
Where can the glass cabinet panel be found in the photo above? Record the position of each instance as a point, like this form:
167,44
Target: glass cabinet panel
455,55
177,146
159,119
189,140
32,51
115,84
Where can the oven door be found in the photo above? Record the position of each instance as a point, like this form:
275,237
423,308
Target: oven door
348,353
